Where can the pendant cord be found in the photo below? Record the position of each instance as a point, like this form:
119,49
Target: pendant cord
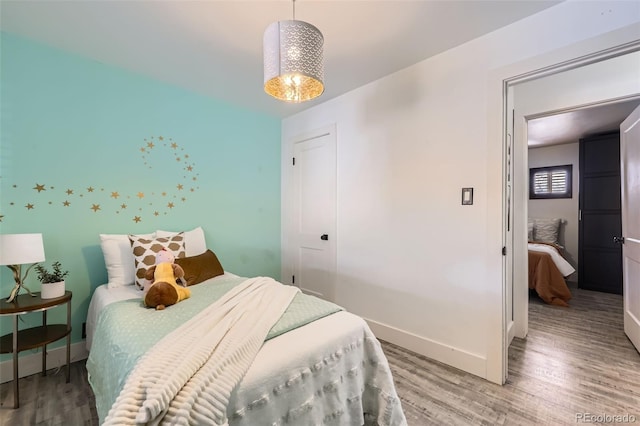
294,10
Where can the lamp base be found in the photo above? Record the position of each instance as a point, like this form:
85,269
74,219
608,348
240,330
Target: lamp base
16,276
16,290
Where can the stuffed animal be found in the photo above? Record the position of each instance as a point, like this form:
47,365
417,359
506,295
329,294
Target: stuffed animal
164,290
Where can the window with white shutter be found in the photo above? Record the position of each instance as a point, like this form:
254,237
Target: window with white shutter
550,182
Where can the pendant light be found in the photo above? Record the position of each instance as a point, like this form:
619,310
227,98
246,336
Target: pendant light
293,62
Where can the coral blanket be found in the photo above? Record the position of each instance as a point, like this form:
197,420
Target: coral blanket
547,280
188,376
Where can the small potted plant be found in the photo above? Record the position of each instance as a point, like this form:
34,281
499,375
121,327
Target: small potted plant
52,281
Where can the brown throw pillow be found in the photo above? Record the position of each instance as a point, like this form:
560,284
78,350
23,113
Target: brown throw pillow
201,267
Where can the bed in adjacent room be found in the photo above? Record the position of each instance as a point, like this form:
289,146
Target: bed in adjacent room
548,268
318,365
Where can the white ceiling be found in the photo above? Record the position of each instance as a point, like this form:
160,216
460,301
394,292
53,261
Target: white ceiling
570,126
215,47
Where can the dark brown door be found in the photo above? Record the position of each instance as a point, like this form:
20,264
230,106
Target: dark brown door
599,256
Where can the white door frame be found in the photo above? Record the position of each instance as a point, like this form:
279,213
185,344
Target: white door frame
518,253
288,257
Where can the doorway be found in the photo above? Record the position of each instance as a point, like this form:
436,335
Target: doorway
314,229
613,79
555,140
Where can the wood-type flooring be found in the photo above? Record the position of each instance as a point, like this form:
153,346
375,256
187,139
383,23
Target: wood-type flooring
576,366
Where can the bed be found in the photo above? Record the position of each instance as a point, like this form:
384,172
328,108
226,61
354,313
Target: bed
547,272
318,365
547,266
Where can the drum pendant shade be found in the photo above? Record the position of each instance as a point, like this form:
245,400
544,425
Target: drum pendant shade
293,61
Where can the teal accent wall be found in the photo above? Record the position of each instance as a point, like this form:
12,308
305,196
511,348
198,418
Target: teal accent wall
87,148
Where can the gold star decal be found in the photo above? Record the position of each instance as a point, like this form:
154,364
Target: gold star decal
161,138
194,178
154,213
69,191
39,188
95,207
137,219
140,195
164,194
142,149
90,189
115,194
178,159
66,203
150,144
190,168
192,189
186,156
123,206
183,199
29,206
180,186
170,205
174,145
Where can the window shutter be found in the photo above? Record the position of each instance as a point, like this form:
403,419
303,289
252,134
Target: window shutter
550,182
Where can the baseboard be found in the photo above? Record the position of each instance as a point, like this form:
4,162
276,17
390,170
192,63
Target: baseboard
455,357
32,364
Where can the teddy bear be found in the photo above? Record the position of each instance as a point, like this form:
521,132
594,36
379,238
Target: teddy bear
164,290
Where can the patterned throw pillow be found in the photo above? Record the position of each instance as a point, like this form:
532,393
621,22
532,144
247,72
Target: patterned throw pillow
546,230
194,241
530,227
145,250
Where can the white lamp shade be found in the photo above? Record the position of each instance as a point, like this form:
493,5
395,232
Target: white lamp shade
19,249
293,61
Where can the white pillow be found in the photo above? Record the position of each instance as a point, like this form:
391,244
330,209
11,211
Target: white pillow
547,230
194,241
118,258
530,229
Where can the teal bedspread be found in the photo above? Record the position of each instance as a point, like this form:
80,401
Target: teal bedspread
126,330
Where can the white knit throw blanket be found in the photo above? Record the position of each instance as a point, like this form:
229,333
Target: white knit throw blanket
188,376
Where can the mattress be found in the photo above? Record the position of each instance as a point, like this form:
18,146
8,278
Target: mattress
329,371
563,266
103,296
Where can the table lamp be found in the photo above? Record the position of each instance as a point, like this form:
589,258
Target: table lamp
17,250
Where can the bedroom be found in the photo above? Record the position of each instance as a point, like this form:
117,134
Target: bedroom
400,142
554,142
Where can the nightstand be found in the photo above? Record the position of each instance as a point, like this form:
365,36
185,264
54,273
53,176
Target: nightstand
34,337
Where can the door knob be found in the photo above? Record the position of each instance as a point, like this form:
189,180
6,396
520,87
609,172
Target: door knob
619,240
324,237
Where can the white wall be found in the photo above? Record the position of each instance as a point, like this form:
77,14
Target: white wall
564,208
423,269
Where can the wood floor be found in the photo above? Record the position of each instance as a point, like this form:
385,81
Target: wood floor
575,362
